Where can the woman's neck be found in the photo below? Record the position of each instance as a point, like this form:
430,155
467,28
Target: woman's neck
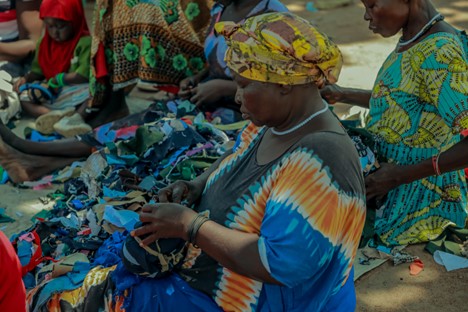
304,103
421,12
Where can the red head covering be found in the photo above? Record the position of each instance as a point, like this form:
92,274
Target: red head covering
54,57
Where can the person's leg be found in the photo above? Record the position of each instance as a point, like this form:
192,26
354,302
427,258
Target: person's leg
25,167
62,148
34,110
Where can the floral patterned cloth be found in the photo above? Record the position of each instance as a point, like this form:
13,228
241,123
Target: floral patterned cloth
418,109
157,41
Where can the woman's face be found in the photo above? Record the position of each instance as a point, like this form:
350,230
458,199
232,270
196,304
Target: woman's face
386,17
259,102
58,29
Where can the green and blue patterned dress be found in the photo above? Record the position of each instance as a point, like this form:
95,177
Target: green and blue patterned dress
418,108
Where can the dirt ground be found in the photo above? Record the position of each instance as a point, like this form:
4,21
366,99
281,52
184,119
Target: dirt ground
386,288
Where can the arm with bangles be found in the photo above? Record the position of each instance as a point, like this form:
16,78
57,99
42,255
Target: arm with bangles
29,28
390,176
233,249
68,79
243,252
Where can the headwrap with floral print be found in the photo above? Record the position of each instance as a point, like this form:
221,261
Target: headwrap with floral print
281,48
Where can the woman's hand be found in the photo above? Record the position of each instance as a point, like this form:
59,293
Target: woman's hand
386,178
187,191
187,84
212,91
21,81
166,220
332,93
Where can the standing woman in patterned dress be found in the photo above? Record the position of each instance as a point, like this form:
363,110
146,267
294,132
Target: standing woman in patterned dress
418,109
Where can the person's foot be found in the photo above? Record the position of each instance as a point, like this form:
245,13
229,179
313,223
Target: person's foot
15,163
71,126
45,123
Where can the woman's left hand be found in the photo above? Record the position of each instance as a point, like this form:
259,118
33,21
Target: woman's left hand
386,178
167,220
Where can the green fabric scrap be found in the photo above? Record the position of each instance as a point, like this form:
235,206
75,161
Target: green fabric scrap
4,218
449,241
43,214
233,126
145,137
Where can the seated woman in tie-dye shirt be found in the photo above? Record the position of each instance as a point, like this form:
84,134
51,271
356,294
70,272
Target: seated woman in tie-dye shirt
278,219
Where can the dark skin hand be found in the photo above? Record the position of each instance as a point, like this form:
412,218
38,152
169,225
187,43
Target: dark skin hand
187,191
212,91
187,84
379,183
233,249
389,176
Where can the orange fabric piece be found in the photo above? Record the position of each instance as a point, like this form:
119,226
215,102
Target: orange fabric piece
416,267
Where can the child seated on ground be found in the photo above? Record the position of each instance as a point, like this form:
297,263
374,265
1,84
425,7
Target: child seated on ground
58,80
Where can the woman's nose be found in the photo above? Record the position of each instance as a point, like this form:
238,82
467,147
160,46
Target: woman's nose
367,16
238,98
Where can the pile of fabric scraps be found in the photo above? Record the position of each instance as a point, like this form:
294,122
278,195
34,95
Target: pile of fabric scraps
73,249
450,249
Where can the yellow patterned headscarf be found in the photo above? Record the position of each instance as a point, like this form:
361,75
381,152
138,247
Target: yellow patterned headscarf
281,48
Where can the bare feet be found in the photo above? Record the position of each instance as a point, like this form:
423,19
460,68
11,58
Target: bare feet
28,167
15,163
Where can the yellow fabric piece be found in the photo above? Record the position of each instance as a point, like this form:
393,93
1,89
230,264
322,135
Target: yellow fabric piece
281,48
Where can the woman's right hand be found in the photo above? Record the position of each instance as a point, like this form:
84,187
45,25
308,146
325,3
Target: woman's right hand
181,191
21,81
332,93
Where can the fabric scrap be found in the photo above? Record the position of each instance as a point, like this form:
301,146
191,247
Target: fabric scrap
416,267
450,261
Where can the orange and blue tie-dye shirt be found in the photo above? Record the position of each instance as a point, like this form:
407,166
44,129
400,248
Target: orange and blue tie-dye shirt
308,209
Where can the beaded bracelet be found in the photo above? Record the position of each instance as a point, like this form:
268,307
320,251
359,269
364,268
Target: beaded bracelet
194,227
